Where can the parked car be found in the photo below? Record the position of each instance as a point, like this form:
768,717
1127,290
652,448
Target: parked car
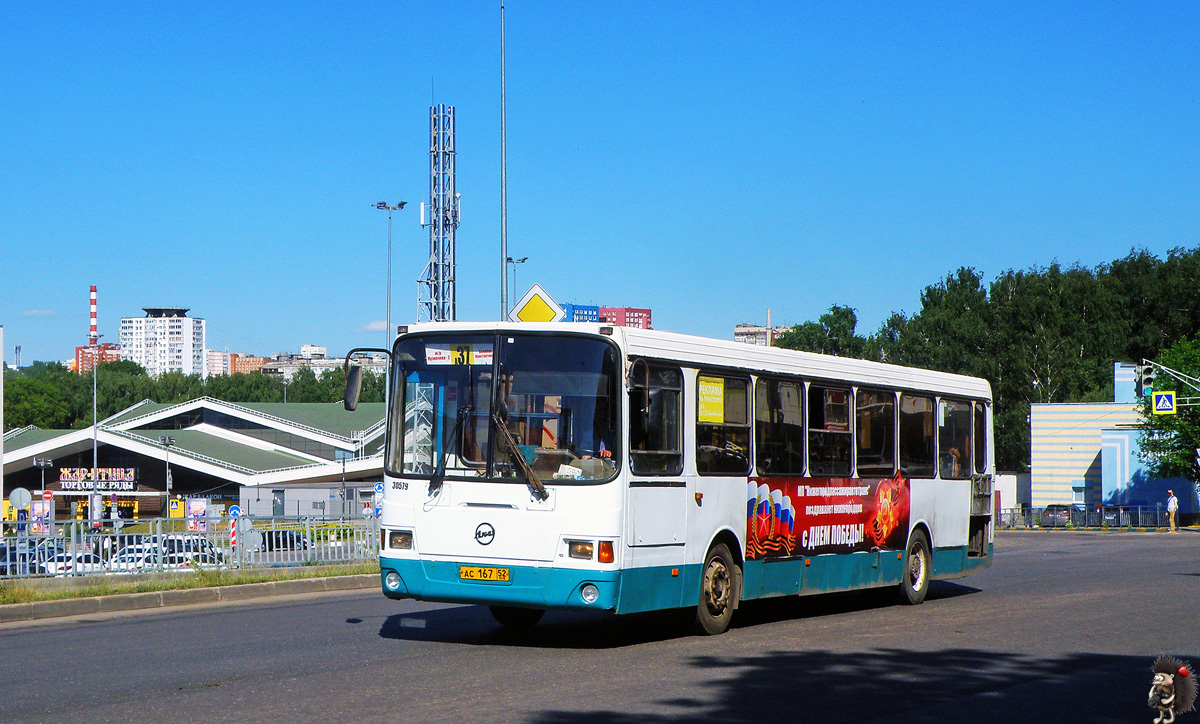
16,563
1056,515
133,561
283,540
74,563
192,561
190,544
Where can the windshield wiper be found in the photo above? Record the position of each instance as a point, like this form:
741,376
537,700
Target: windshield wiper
435,482
531,477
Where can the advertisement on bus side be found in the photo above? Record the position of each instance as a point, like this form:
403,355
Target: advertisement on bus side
809,516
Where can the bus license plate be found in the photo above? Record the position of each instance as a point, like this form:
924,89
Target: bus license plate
477,573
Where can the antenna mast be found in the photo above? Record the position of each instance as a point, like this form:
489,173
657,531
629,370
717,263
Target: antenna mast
435,288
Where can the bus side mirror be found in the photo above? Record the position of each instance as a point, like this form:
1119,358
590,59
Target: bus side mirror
353,387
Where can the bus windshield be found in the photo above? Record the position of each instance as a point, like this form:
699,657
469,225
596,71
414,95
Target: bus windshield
556,395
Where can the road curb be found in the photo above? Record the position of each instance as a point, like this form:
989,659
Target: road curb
37,610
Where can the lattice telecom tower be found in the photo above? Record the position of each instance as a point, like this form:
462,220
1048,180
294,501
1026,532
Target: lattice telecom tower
435,288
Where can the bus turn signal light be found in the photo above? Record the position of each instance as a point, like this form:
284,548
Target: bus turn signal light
606,551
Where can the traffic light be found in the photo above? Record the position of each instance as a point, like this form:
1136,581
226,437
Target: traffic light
1147,380
1138,371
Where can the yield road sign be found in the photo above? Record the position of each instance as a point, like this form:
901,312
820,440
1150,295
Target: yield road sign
1164,403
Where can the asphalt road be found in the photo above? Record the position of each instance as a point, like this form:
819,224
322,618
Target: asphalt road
1062,628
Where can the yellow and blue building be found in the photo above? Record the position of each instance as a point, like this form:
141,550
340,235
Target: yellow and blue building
1087,455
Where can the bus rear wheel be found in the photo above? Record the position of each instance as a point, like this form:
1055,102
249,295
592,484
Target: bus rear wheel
514,617
918,565
718,591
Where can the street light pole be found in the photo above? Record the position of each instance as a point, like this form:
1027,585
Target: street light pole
43,463
167,441
514,262
384,206
503,176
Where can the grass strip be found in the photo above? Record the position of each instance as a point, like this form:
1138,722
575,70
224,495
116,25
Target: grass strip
26,591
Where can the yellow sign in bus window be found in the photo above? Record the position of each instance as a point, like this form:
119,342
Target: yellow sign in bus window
710,399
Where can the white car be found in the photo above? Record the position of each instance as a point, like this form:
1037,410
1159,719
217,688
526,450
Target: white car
192,561
133,561
73,563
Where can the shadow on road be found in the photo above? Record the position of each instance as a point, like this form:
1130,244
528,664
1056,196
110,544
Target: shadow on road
585,630
892,685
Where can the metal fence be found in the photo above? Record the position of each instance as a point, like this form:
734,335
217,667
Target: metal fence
159,545
1069,516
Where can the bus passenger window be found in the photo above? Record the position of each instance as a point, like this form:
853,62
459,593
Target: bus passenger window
829,442
916,436
980,438
722,426
779,427
655,439
876,433
954,439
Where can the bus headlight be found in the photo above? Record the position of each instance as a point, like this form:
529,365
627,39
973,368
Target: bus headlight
392,581
589,592
400,539
580,549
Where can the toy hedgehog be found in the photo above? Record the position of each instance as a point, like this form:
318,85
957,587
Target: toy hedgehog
1174,688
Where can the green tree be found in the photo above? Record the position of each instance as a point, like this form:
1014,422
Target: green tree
305,387
1169,443
34,402
833,333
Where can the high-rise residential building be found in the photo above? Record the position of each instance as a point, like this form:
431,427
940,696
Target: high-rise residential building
757,334
626,317
165,340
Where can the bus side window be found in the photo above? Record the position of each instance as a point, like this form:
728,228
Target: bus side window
916,436
722,425
981,437
954,439
779,427
829,441
655,439
876,433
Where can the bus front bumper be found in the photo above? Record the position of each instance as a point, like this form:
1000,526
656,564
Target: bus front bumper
527,586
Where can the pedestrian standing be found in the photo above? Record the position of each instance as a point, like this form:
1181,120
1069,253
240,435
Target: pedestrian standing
1172,506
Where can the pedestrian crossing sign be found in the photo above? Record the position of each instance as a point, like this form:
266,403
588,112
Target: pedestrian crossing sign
1164,403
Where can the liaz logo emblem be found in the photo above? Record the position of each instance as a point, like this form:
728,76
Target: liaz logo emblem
485,534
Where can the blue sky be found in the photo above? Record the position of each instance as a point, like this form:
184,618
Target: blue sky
706,160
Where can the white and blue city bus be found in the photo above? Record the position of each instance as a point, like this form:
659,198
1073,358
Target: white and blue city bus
582,466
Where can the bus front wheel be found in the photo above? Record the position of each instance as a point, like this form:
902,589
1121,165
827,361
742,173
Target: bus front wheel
917,568
718,591
514,617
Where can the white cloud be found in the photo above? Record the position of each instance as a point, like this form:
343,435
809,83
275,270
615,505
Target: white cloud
39,313
377,326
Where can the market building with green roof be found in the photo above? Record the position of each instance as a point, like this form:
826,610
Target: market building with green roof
297,459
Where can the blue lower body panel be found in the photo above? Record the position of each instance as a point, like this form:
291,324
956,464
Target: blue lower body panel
528,586
848,571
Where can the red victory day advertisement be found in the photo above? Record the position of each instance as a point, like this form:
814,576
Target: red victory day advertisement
807,516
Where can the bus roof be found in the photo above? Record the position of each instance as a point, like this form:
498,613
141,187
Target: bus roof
705,351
